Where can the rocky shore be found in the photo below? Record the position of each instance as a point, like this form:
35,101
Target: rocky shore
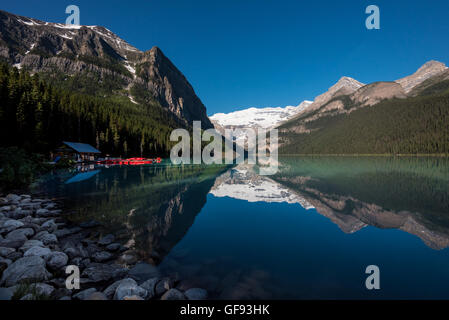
37,244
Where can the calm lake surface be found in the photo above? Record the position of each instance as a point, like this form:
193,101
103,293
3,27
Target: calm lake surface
308,232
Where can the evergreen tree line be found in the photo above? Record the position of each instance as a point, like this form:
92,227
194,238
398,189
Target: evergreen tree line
37,117
418,125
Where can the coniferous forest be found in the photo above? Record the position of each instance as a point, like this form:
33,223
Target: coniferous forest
38,116
415,125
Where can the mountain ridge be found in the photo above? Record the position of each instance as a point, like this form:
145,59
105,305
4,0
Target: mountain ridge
145,77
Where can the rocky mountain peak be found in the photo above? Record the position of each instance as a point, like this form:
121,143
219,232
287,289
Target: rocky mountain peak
426,71
347,83
50,47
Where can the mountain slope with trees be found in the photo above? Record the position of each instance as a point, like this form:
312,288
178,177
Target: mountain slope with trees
412,125
37,116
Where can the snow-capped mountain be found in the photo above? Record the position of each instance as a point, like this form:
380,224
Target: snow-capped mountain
244,184
264,118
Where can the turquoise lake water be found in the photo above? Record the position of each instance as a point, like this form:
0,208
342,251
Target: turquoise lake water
307,232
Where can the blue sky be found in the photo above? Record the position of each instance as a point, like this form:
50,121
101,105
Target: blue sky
246,53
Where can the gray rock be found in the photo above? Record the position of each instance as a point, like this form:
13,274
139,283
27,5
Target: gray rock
196,294
57,260
6,294
150,286
28,296
46,238
43,289
133,298
66,232
162,286
15,255
42,212
110,291
4,252
11,243
83,295
50,226
73,253
61,292
173,294
30,268
129,287
4,263
98,272
102,256
113,247
143,271
38,251
6,208
29,244
97,296
65,298
20,234
108,239
50,206
11,225
13,198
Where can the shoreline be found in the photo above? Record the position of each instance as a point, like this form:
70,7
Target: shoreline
37,243
441,155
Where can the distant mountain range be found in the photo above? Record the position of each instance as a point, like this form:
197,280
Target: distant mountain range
255,118
330,124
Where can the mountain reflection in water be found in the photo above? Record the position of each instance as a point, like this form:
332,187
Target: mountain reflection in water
242,235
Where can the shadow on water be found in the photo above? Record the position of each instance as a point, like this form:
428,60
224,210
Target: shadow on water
275,236
149,208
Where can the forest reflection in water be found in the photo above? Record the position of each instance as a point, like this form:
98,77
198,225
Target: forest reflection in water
242,235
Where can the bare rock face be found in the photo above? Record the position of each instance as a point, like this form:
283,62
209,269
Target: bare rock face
57,48
373,93
344,86
428,70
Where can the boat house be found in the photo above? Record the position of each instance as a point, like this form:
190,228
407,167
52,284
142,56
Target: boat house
78,151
